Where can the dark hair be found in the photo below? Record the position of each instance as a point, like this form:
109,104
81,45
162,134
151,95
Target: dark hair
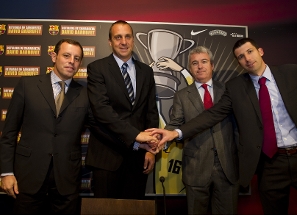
119,22
70,41
242,42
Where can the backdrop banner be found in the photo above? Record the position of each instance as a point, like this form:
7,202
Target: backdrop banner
26,46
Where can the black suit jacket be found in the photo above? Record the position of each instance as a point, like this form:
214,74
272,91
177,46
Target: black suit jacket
240,98
32,111
117,121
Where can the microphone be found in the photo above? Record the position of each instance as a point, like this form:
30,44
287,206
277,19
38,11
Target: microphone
162,179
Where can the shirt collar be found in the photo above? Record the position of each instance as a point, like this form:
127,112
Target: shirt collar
267,74
209,83
120,62
55,79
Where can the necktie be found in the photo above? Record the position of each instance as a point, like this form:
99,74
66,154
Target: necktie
128,82
269,137
207,98
60,97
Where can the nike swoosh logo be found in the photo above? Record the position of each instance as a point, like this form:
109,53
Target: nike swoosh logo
197,32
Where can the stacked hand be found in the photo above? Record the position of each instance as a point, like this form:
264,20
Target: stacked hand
154,139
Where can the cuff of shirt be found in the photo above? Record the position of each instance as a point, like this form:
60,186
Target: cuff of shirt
136,146
180,134
5,174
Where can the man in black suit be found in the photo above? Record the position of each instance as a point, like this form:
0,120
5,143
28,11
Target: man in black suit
46,163
276,171
120,168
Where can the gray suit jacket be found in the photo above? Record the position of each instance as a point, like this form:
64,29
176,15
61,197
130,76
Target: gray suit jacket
198,156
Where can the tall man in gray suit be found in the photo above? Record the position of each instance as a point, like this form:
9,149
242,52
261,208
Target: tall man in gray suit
276,168
210,161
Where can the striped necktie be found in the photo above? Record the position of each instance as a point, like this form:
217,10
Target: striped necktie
128,82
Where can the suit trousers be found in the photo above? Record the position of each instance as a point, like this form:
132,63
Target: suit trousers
275,178
47,200
218,193
127,182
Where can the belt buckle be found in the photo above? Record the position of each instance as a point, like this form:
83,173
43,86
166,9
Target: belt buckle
288,152
291,151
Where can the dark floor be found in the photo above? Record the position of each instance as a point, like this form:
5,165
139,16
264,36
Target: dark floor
174,204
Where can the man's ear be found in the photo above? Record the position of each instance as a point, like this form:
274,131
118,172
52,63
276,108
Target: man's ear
54,56
261,51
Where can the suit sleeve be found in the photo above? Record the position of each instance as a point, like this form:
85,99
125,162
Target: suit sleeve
177,117
152,117
11,128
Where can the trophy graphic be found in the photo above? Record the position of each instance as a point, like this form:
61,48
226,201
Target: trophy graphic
164,43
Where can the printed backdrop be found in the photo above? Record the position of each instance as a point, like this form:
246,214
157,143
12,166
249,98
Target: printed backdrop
26,45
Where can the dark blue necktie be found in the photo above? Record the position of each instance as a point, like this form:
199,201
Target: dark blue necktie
128,82
269,136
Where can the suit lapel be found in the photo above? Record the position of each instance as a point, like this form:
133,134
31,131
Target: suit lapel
73,91
251,92
139,81
195,97
45,87
280,82
218,90
117,74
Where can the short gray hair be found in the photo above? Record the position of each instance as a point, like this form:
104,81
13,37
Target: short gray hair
198,50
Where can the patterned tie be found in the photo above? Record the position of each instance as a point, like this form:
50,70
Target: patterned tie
60,97
128,82
269,137
207,98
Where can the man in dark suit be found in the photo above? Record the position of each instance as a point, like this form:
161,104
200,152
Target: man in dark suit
47,159
277,171
120,168
210,160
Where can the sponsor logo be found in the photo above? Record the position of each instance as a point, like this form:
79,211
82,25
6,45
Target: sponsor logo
81,73
7,92
17,50
16,29
85,183
218,32
19,137
53,29
18,71
85,137
3,114
236,35
49,69
1,49
0,70
75,30
2,29
50,50
197,32
89,51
